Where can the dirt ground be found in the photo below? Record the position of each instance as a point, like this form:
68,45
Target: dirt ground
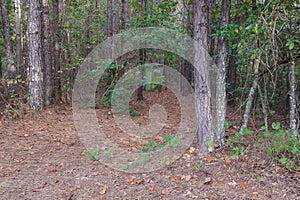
42,157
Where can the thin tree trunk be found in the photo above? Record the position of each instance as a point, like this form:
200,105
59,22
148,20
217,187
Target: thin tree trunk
251,95
263,100
19,38
35,59
221,75
56,51
88,28
202,91
124,14
47,50
187,68
11,67
142,55
293,121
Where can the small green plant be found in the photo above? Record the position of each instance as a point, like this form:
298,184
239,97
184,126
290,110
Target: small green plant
133,112
93,154
282,146
238,146
107,153
172,140
198,165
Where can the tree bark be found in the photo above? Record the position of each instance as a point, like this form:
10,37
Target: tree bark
56,51
124,14
202,91
221,75
11,67
35,58
47,51
293,86
19,38
251,95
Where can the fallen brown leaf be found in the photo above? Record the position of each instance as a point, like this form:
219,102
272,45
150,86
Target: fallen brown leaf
209,159
227,161
244,185
177,179
129,180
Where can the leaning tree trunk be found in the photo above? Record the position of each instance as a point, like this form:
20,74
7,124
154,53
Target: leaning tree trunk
35,58
293,124
221,82
11,67
47,51
251,95
202,91
19,38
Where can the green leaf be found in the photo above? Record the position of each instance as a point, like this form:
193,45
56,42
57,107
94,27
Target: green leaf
294,150
151,144
159,147
145,150
167,138
250,27
276,125
227,125
125,167
291,46
134,164
174,141
283,160
247,131
267,133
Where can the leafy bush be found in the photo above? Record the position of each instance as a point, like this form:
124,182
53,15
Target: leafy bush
282,146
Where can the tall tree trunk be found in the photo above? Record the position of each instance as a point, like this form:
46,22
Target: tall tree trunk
293,85
202,91
36,95
56,51
221,75
19,38
11,67
47,51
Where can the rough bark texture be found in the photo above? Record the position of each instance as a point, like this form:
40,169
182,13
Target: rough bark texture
11,67
35,59
202,92
293,124
221,74
47,50
124,13
19,36
56,51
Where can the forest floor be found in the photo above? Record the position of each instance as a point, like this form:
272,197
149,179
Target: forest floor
42,157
